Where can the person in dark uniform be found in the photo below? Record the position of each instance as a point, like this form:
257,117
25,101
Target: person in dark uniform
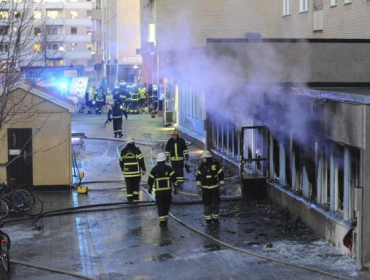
177,151
133,166
209,176
99,101
161,179
116,113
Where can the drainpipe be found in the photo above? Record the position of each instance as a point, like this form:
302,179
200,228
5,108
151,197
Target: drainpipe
358,209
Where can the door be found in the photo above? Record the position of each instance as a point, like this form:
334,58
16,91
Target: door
19,170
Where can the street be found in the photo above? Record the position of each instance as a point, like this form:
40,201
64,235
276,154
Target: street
127,243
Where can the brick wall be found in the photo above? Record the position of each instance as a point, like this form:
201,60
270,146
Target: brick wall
182,24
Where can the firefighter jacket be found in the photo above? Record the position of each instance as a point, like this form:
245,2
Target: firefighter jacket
177,150
117,110
91,94
131,161
134,96
122,95
99,97
142,93
161,179
210,174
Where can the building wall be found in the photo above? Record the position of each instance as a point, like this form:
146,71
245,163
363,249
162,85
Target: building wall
186,24
80,54
52,164
349,21
118,37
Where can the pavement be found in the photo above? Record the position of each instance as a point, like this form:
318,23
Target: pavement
127,243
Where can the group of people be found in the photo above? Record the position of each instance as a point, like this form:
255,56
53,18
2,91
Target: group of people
95,99
164,179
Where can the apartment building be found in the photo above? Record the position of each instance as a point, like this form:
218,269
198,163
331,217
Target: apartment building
116,36
62,32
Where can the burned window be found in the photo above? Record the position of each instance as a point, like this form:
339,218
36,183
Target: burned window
276,156
339,163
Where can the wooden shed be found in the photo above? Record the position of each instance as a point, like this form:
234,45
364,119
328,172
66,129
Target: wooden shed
35,139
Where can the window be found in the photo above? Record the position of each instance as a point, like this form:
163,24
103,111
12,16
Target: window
287,7
52,14
4,30
37,14
37,47
88,14
74,46
89,47
74,62
88,29
73,0
53,31
74,30
333,2
90,63
303,5
52,47
37,1
4,14
4,48
347,1
17,14
37,31
74,14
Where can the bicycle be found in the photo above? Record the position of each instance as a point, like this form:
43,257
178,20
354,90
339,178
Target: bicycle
4,250
18,200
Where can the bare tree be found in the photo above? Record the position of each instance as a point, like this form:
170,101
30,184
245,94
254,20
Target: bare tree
25,41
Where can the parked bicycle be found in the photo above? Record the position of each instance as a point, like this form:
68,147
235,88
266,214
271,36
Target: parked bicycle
4,250
17,201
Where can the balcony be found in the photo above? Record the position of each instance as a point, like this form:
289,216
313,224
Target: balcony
97,58
96,37
57,21
54,5
96,14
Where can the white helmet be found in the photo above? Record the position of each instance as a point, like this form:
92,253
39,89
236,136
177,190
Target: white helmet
206,154
130,139
161,157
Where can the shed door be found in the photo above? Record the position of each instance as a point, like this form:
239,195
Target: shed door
19,170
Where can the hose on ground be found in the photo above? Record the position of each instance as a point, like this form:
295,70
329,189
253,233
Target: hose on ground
241,250
55,270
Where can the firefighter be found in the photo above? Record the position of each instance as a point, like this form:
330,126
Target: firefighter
142,94
209,176
160,182
90,99
117,111
99,101
177,151
134,100
122,95
133,166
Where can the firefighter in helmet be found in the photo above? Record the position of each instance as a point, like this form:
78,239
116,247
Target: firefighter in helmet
161,179
177,151
133,166
210,183
116,113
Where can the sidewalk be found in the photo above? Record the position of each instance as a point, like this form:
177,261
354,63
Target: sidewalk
129,244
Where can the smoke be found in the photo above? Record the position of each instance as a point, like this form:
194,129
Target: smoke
244,81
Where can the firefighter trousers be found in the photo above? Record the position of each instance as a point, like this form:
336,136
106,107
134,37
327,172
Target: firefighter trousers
132,188
117,125
211,202
178,167
163,204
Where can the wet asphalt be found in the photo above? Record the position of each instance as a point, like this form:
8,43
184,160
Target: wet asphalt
127,243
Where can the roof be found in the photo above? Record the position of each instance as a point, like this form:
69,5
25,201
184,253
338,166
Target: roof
353,95
47,94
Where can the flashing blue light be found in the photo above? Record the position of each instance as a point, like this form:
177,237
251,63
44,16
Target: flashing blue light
63,85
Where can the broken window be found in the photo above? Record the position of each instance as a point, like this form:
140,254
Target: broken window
276,157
